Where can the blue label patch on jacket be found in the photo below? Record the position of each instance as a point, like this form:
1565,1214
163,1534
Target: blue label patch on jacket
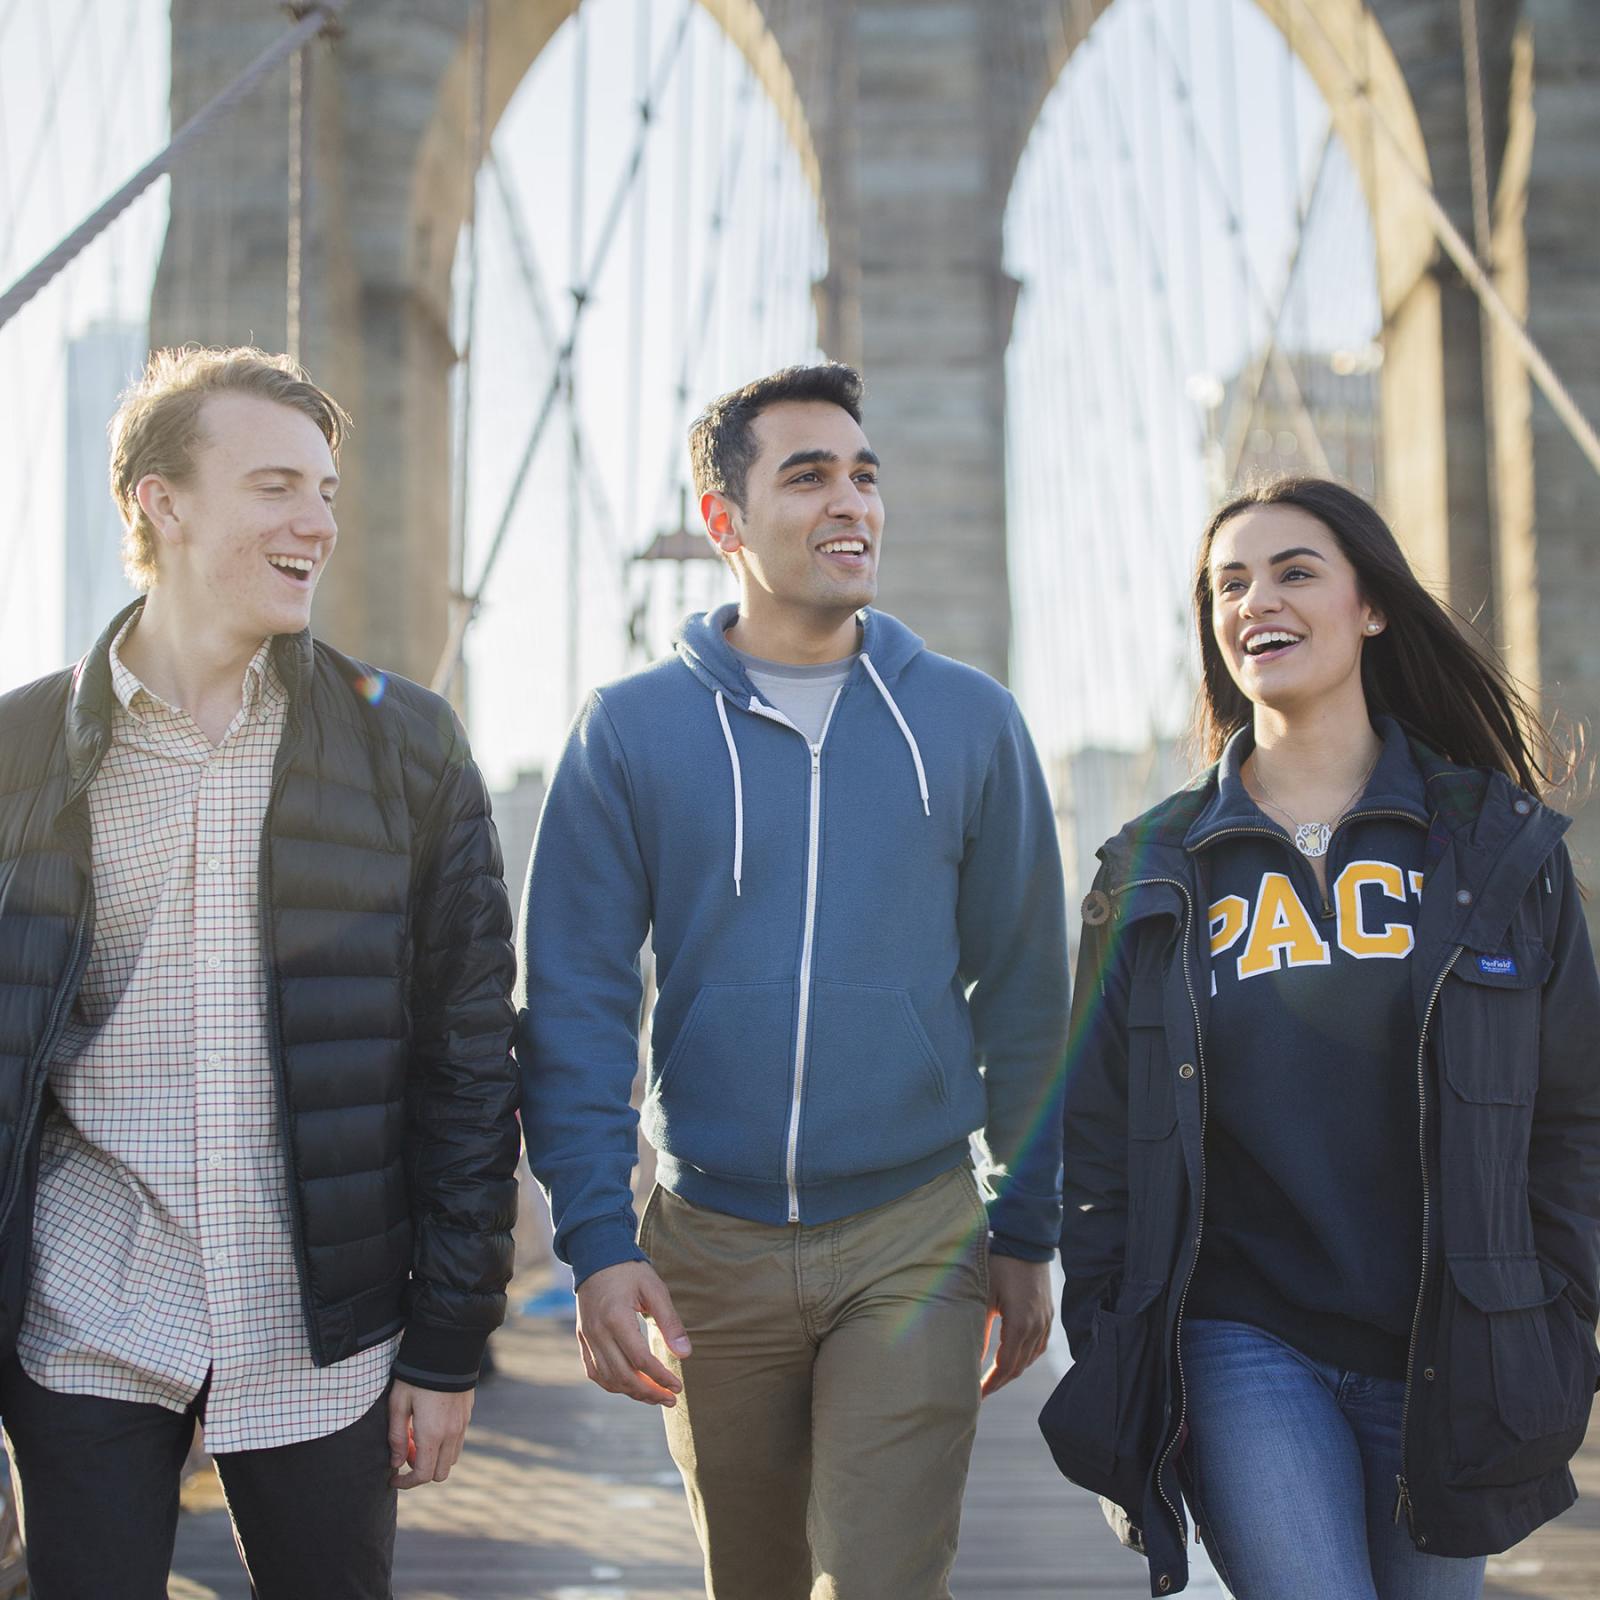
1497,966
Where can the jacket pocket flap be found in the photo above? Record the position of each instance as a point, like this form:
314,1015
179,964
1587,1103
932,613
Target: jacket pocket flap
1135,1296
1500,969
1501,1283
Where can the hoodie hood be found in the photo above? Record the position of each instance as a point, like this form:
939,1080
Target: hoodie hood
701,644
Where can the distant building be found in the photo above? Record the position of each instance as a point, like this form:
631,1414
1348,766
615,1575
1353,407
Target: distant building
101,362
1339,391
1096,791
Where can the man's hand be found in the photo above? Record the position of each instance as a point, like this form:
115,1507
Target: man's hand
426,1432
1019,1294
616,1353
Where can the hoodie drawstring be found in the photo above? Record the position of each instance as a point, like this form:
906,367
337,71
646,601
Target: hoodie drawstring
911,740
738,775
738,794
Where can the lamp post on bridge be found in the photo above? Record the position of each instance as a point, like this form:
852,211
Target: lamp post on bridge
681,545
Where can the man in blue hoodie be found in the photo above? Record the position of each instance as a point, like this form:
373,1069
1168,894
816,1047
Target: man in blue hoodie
842,849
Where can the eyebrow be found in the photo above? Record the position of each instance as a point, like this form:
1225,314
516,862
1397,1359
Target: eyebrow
808,458
288,472
1282,555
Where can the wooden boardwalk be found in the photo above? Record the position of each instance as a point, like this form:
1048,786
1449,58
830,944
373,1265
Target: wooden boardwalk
566,1493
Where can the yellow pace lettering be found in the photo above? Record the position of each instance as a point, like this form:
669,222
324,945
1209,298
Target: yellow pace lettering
1281,931
1228,917
1396,939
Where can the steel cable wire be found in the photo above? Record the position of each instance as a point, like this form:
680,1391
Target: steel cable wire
317,20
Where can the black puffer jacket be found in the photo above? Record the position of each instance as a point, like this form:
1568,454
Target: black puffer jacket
1503,1363
386,930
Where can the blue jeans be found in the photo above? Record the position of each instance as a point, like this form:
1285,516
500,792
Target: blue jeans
1293,1463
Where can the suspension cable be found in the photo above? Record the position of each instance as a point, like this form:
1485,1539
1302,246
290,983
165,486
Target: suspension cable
1457,248
522,253
476,146
299,193
321,18
697,328
1282,370
580,139
52,112
1483,241
467,606
1242,412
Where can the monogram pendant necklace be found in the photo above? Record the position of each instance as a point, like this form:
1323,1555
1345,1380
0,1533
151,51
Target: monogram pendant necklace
1313,838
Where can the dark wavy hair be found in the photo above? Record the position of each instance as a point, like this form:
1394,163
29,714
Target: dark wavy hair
1426,669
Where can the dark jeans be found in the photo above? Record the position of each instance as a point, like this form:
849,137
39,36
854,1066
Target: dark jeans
100,1500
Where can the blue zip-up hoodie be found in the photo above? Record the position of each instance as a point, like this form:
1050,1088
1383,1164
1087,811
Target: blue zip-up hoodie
860,948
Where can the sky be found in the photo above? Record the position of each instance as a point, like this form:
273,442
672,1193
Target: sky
1120,228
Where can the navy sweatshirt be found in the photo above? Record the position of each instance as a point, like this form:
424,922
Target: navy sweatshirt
1313,1227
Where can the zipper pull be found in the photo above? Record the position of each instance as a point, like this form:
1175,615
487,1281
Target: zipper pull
816,758
1402,1501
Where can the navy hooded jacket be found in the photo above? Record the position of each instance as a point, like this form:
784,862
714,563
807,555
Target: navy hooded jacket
1501,1364
859,948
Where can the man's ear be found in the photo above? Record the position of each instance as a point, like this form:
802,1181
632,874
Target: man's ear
720,520
156,500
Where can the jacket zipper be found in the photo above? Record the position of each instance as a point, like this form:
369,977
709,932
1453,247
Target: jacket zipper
1200,1207
269,961
807,948
1403,1497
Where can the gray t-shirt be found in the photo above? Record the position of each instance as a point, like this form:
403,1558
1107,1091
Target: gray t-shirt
802,694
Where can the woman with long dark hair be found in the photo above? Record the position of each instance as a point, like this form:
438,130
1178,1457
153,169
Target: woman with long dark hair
1332,1236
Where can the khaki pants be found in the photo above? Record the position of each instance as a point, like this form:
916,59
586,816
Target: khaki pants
829,1406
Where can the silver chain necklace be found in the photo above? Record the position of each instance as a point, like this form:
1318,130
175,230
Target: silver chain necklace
1313,838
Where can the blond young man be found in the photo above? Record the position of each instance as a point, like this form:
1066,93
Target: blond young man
257,1139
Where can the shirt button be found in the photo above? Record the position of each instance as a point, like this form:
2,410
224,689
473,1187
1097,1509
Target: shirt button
221,1258
1521,807
214,1161
1463,897
213,1060
213,863
1429,1374
1186,1070
213,961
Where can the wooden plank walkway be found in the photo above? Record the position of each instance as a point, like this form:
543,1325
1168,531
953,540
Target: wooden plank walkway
566,1493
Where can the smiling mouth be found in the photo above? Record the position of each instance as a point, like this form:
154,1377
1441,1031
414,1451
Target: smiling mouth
850,551
1270,646
297,569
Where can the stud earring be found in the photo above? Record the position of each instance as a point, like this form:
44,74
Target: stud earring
1372,627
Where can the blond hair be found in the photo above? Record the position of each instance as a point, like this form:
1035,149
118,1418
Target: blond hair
157,425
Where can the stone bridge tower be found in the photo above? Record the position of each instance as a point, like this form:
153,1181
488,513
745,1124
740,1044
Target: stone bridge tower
911,115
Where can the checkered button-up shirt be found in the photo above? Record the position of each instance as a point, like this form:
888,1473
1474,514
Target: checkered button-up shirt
163,1246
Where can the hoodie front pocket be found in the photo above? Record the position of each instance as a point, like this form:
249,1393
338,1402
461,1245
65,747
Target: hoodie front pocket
720,1099
875,1095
